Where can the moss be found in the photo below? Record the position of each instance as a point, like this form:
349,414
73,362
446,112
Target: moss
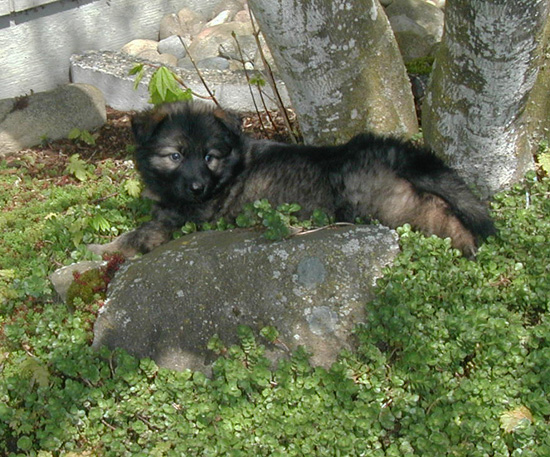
420,66
86,286
92,284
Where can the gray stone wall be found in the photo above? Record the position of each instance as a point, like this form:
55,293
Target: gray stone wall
36,44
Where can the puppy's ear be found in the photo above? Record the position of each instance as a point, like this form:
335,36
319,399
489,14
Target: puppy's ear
145,124
231,120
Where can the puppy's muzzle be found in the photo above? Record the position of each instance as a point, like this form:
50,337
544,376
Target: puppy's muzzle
197,189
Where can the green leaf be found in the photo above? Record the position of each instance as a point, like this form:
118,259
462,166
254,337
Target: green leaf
257,80
82,135
132,187
136,69
78,168
38,373
387,419
139,71
544,162
320,218
270,333
74,134
24,443
189,227
99,223
7,274
164,87
87,137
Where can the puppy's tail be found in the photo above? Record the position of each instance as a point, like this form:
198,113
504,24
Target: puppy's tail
430,177
429,195
446,184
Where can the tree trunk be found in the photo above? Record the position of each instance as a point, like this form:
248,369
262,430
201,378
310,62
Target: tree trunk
341,65
485,69
537,113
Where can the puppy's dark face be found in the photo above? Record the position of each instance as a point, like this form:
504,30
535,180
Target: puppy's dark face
187,152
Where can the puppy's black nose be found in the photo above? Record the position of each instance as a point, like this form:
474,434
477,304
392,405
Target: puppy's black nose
197,188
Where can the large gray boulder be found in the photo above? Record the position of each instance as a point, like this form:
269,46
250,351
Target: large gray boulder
313,288
26,121
417,25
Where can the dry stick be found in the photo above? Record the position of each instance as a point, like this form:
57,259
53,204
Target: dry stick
234,35
271,80
212,96
261,92
181,82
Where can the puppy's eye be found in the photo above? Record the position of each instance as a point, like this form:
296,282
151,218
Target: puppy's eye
208,158
176,156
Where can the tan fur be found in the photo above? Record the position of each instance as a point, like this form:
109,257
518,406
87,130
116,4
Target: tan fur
427,213
151,240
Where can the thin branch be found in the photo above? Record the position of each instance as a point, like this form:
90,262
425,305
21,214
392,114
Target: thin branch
258,87
234,35
271,79
261,92
212,96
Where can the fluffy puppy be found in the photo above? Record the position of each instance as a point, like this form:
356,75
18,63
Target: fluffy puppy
199,166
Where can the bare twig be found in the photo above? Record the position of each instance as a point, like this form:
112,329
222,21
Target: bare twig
324,227
104,422
261,92
271,80
212,96
234,35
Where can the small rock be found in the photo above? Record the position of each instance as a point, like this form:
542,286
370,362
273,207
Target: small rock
190,21
213,63
207,43
417,25
232,7
242,16
167,59
170,25
185,64
136,47
172,45
222,18
62,278
155,56
439,3
247,44
26,121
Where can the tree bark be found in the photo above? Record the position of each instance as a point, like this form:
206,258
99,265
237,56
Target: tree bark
341,65
487,64
537,112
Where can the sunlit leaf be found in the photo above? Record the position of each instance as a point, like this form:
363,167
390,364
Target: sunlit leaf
515,419
132,187
37,371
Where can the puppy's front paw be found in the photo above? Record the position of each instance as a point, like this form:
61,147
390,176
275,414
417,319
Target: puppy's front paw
111,248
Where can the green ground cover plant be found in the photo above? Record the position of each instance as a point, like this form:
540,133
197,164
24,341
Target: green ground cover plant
452,360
